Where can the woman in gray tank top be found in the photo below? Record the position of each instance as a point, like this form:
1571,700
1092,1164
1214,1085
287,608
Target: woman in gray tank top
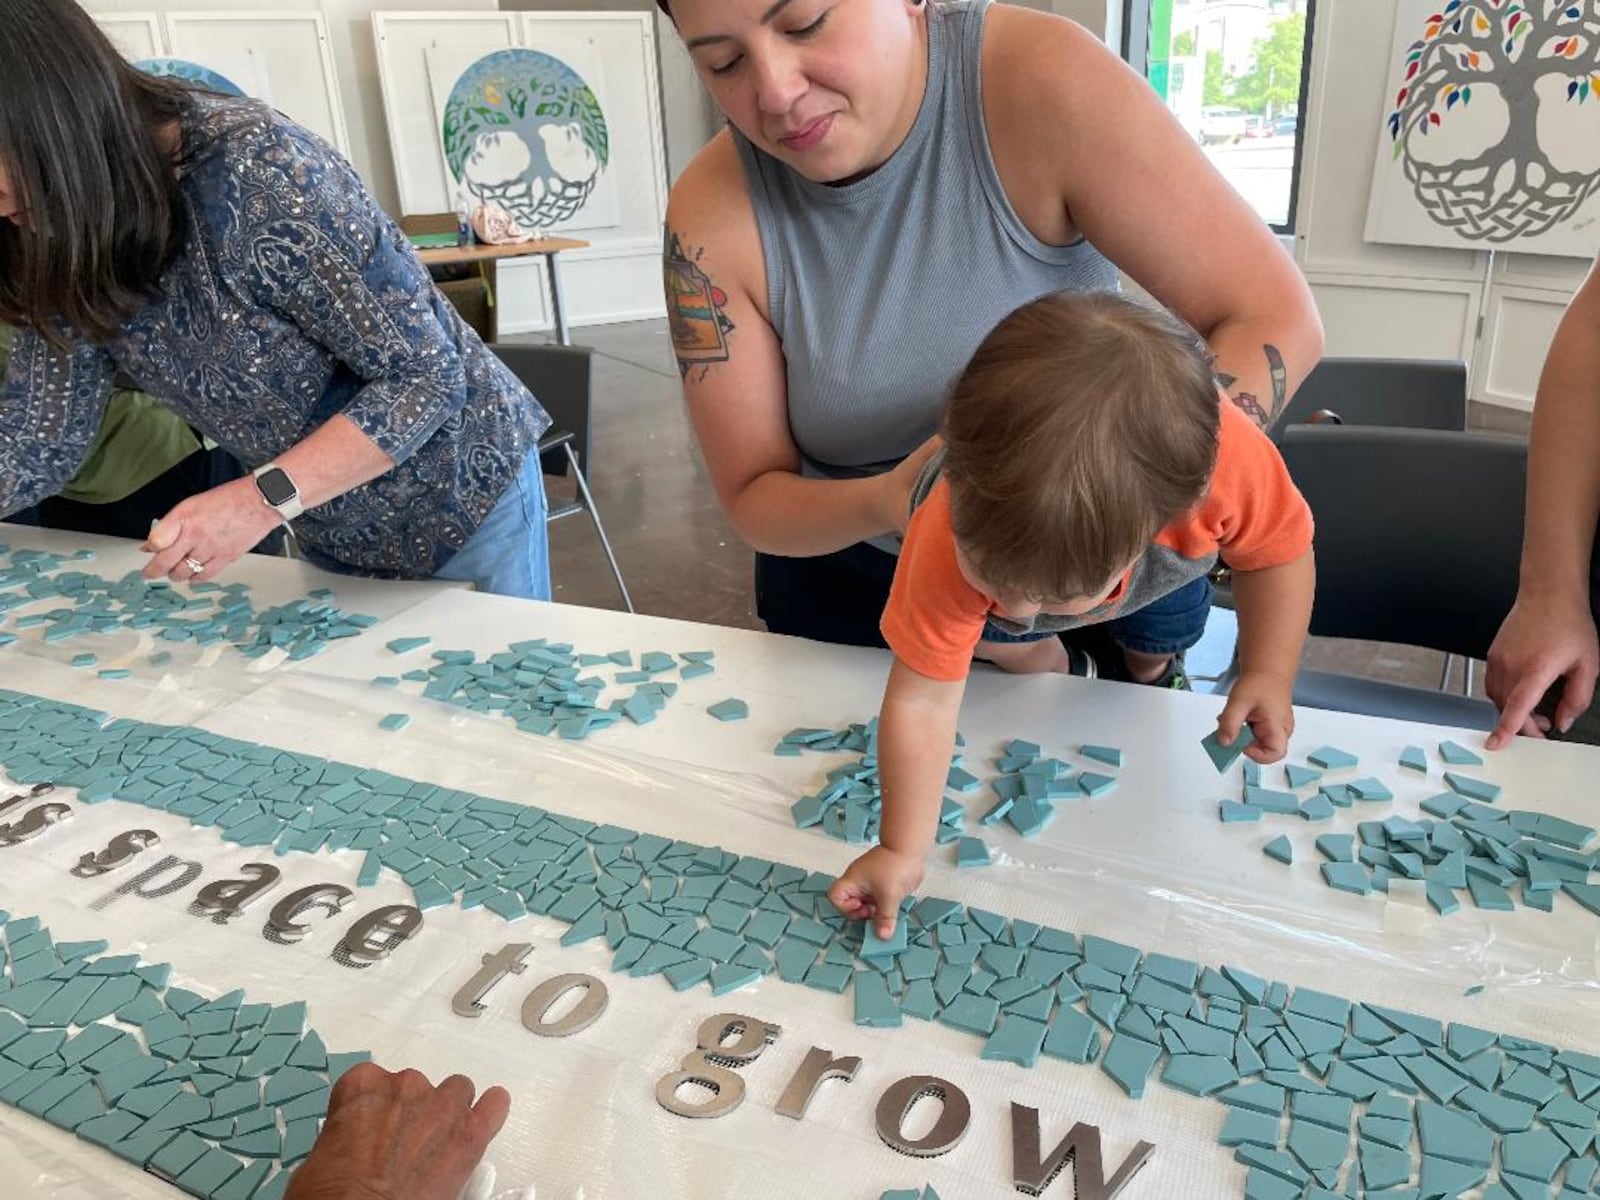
898,176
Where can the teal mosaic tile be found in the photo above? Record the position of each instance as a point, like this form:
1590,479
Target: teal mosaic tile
1222,757
1331,758
732,709
112,1101
976,971
1458,756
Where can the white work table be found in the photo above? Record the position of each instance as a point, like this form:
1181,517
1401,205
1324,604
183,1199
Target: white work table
1149,865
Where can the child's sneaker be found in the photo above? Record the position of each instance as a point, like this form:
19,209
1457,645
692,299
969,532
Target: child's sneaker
1174,677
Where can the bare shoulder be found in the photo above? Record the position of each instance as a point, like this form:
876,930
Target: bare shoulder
711,222
716,282
1047,82
712,174
1031,57
1056,98
1588,294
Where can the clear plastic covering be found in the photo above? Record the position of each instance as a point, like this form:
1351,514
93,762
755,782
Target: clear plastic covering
1148,864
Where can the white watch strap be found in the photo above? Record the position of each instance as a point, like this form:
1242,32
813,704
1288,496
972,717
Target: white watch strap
289,509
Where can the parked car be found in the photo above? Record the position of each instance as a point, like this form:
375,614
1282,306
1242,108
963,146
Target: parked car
1287,126
1257,127
1219,123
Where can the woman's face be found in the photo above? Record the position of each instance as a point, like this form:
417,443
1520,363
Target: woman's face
829,87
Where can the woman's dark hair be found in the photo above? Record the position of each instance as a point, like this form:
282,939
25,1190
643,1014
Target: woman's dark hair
85,143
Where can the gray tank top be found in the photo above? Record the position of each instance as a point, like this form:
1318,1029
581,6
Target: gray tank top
881,289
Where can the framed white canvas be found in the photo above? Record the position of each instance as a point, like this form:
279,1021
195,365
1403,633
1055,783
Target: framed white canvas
1491,136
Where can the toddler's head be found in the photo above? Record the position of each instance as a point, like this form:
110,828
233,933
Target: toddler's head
1083,424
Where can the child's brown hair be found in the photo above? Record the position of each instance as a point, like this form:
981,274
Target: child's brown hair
1083,424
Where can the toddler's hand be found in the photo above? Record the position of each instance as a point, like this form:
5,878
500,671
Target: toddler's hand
1265,703
873,886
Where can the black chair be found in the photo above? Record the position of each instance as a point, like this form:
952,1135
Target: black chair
1397,392
1409,393
1418,539
559,378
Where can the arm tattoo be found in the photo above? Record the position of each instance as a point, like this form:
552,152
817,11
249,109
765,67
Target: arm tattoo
1278,374
1252,408
1245,400
1280,380
695,314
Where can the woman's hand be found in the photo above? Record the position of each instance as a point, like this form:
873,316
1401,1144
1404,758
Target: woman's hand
394,1136
1543,639
895,496
209,531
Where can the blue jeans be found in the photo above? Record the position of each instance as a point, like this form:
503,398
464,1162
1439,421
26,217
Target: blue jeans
509,554
1169,625
836,597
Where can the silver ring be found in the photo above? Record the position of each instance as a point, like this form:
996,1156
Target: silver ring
195,565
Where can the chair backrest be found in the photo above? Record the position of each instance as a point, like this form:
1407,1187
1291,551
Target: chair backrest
559,378
1409,393
1418,532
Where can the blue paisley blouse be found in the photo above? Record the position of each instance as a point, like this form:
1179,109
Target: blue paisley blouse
294,298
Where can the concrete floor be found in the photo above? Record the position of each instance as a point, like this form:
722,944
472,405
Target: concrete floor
678,553
682,559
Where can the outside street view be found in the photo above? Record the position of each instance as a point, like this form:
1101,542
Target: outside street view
1230,71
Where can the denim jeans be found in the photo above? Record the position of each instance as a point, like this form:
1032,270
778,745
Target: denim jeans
1165,626
509,555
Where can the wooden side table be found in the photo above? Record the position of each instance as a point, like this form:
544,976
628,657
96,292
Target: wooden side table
482,254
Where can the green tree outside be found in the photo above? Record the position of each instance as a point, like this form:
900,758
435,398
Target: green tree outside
1272,86
1217,88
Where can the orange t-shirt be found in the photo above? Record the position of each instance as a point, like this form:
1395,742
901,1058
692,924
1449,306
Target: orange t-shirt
1252,517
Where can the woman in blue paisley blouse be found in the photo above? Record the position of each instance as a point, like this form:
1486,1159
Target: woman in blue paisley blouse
232,264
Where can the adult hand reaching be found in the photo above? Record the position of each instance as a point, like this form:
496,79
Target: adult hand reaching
394,1136
1542,640
209,532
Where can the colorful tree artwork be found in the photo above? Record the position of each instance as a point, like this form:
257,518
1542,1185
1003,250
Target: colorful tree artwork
190,72
526,139
1487,122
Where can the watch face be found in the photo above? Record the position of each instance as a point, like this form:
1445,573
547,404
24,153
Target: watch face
276,487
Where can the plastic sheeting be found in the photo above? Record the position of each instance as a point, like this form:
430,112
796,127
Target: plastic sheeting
1148,865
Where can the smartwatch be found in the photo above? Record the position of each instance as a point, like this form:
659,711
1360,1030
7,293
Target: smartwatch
278,491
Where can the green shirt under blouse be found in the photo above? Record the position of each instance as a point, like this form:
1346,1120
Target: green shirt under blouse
139,439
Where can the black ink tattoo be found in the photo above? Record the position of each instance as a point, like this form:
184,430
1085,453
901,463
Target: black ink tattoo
1278,375
700,327
1280,380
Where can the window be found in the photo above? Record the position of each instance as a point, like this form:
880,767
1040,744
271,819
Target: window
1234,74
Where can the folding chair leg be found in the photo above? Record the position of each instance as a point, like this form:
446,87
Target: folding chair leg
1221,685
594,515
1444,676
1466,676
